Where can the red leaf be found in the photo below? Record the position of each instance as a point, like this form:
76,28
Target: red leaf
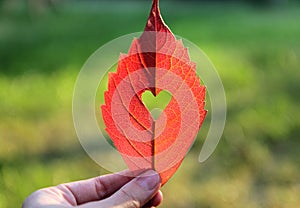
156,61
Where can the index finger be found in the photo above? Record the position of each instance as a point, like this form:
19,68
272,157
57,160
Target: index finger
96,188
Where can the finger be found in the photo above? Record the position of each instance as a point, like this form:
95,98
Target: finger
155,201
134,194
96,188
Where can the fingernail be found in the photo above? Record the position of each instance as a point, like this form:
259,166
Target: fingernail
149,180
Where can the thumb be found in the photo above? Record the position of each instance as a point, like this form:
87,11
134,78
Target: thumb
134,194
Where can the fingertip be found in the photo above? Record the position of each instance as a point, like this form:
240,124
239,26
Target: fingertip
156,200
149,180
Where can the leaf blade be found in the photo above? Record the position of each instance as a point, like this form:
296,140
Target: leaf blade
156,61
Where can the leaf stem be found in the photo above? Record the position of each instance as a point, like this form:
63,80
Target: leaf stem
153,146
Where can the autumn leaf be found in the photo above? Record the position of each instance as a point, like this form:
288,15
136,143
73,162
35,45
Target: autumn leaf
155,62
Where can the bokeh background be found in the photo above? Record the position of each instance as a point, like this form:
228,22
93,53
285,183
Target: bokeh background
255,46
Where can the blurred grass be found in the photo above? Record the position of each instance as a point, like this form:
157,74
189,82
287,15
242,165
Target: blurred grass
256,52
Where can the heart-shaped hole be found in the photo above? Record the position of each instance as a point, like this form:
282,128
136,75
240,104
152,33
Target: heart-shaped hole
157,104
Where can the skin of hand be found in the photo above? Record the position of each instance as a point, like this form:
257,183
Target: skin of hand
116,190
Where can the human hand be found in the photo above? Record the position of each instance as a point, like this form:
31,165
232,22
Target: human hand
113,191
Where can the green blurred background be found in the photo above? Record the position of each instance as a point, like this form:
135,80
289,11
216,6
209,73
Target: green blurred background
255,46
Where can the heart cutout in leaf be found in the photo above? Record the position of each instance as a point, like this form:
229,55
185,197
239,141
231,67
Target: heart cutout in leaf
156,104
155,62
